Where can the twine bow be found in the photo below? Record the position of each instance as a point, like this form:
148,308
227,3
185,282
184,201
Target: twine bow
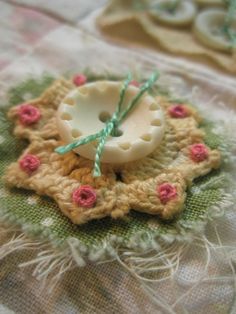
111,125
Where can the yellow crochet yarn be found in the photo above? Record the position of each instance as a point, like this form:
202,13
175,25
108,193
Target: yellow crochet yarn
121,187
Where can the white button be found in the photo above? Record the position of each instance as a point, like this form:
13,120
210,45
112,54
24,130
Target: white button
208,29
182,15
85,109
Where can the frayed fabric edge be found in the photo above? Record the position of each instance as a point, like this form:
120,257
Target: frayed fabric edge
53,259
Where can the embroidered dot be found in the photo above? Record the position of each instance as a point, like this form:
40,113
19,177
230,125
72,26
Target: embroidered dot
196,189
32,200
84,196
153,223
2,139
28,114
29,163
3,193
178,111
134,83
198,152
79,79
166,192
27,96
47,222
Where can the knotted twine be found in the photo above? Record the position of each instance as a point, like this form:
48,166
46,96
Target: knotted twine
112,124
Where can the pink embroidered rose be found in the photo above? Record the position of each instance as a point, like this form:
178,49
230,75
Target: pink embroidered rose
198,152
166,192
79,79
134,83
29,163
84,196
28,114
178,111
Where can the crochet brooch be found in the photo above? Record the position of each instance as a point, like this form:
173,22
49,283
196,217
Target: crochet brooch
103,148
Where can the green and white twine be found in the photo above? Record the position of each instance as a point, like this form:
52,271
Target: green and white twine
111,126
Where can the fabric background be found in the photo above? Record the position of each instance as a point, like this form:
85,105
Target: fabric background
60,46
25,206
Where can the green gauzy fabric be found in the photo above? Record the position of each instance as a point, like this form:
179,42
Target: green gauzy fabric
41,216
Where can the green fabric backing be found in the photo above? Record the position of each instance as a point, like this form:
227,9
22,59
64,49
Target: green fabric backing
25,208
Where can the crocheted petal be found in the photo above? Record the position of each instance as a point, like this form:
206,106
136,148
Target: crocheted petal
143,196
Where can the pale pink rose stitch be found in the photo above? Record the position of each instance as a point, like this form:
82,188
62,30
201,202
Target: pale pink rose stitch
79,79
166,192
29,163
84,196
28,114
134,83
178,111
198,152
